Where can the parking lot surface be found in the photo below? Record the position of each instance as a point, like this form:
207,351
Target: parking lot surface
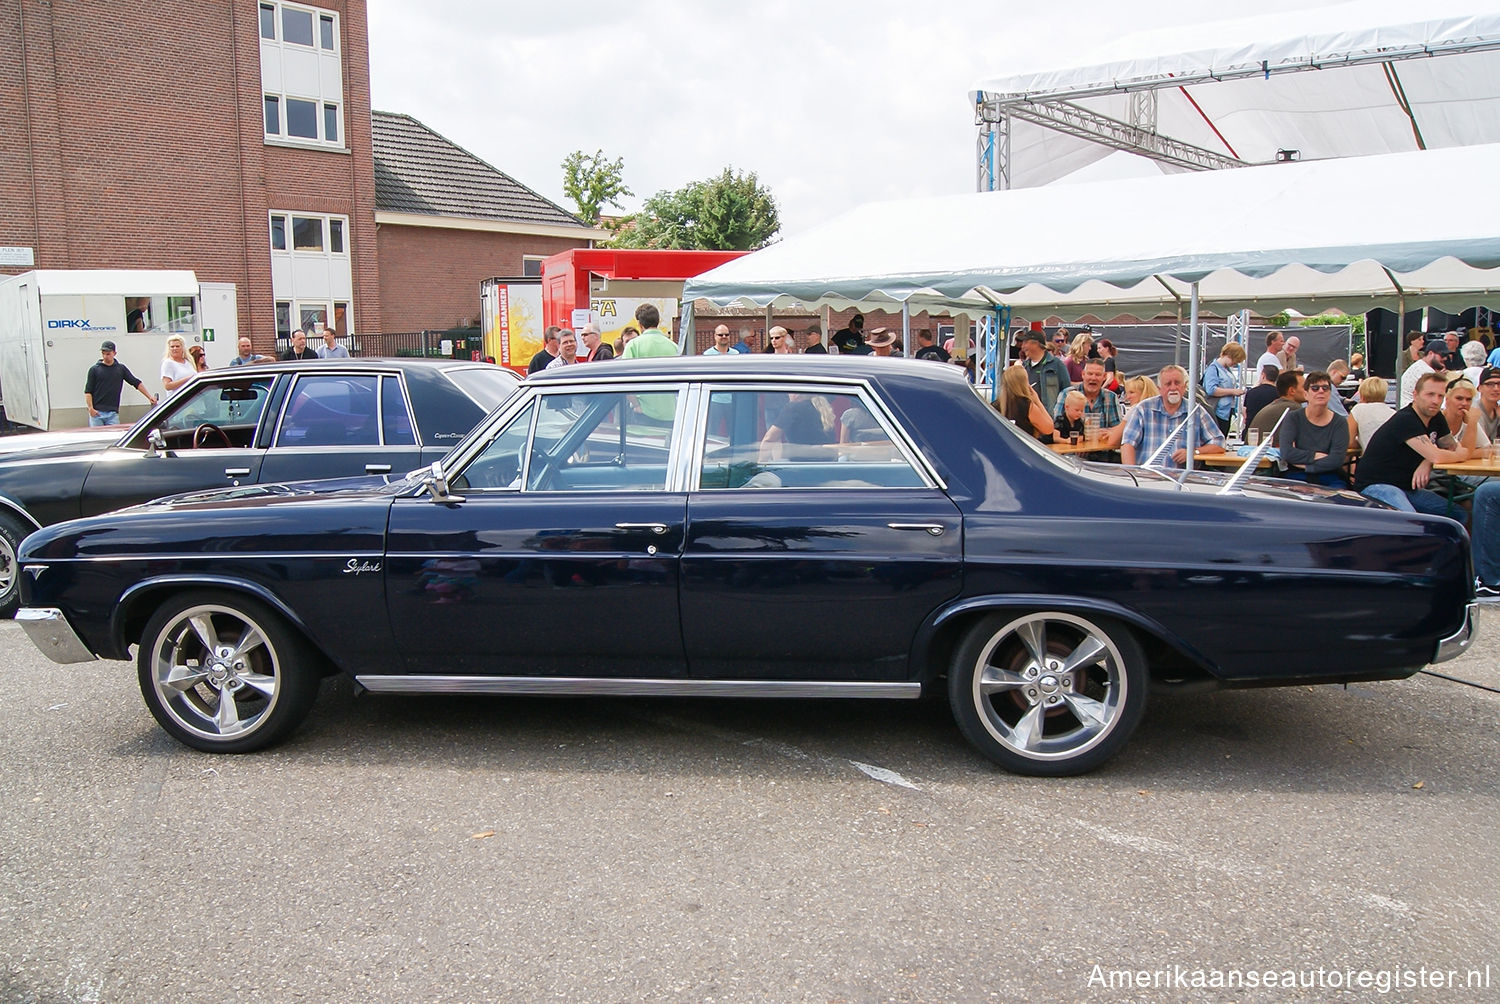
466,849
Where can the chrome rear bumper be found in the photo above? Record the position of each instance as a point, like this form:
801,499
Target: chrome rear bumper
50,632
1454,645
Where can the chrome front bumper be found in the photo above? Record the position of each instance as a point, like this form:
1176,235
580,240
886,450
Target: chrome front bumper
1454,645
50,631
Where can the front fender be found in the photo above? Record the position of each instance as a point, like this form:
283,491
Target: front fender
134,607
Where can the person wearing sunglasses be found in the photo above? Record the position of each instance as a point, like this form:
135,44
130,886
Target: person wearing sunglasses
1314,440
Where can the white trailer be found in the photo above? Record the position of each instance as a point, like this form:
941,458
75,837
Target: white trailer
52,322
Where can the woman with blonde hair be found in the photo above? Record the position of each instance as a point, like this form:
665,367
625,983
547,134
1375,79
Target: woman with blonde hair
1137,389
176,368
1371,412
1078,354
1019,403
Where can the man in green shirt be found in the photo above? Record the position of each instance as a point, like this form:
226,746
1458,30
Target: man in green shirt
652,341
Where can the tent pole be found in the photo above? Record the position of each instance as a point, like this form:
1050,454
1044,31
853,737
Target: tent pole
906,328
688,334
1190,441
1177,342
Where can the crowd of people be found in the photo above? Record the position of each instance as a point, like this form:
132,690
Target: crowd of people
1448,412
851,340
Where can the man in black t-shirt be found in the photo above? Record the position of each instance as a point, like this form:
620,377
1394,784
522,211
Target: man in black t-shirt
1397,462
927,350
102,387
1261,394
548,351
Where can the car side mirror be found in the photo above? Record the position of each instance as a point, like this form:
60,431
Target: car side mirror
157,444
437,484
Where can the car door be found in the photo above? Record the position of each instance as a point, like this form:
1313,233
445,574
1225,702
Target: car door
817,541
561,558
339,425
210,432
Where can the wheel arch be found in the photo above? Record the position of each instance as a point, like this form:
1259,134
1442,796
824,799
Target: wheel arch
140,601
1170,660
11,506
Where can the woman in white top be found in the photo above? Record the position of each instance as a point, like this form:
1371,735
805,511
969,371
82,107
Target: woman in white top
176,369
1371,412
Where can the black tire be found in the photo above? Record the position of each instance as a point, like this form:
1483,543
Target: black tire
268,669
12,532
1048,693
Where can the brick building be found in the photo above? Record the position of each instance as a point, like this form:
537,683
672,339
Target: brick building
447,220
236,140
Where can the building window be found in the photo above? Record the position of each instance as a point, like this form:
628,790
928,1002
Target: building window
301,74
307,233
531,265
296,26
312,271
301,118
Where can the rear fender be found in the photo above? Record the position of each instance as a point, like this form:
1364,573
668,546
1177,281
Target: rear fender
1169,655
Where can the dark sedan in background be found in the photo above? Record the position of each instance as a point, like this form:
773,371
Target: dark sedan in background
244,425
767,527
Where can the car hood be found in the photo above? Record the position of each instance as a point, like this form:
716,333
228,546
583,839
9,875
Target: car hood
1211,482
329,489
55,445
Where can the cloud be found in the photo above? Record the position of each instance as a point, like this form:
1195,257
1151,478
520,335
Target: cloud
831,104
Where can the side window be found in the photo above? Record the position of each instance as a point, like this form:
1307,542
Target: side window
234,406
499,465
789,439
614,441
394,415
331,411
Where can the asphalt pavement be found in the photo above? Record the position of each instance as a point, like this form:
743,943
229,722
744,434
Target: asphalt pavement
469,849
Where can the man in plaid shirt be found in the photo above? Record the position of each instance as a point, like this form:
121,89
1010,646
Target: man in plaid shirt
1155,419
1098,401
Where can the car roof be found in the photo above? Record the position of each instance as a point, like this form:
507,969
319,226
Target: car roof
359,363
765,365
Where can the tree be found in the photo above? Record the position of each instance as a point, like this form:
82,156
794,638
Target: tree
728,212
593,182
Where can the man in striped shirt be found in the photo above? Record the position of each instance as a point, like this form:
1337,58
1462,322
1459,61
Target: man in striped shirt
1156,419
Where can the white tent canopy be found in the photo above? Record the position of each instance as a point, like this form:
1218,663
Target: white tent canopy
1391,231
1354,79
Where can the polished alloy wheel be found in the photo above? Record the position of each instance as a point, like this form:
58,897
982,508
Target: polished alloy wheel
215,671
1046,691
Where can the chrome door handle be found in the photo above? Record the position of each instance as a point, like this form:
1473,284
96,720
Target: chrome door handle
936,529
377,468
657,528
236,472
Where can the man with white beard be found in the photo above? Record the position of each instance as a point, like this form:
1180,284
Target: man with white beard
1156,419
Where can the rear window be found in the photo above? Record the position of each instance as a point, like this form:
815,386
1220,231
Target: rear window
487,385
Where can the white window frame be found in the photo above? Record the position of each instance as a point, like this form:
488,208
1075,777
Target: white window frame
527,259
320,101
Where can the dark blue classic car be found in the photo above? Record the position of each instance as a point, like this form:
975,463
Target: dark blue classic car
243,425
776,527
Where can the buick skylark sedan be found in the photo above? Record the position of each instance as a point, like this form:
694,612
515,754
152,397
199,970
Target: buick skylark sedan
803,527
243,425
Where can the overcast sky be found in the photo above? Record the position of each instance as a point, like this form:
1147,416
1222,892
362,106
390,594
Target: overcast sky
831,104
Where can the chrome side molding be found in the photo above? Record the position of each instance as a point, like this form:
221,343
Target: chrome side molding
418,683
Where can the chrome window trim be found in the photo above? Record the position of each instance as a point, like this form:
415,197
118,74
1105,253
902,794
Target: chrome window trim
859,388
